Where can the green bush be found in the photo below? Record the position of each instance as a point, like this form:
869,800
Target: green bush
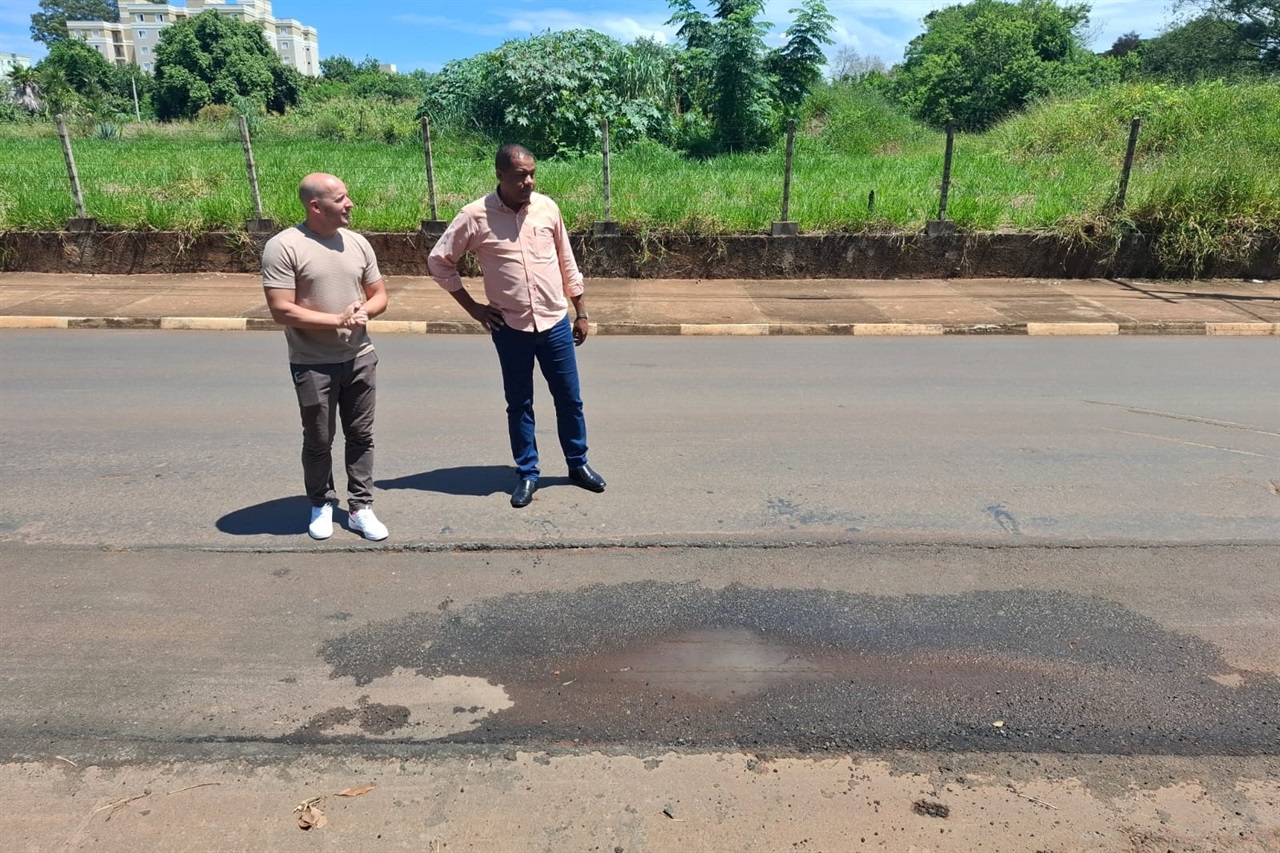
214,114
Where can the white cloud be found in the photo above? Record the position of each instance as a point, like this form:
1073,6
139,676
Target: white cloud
624,28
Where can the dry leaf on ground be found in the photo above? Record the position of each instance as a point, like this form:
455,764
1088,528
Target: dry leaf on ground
311,817
354,792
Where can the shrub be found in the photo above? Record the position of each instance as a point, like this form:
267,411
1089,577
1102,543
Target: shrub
214,114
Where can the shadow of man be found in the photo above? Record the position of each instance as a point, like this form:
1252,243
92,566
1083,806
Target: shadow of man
474,480
280,517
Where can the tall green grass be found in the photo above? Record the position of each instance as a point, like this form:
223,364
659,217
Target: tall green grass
1206,180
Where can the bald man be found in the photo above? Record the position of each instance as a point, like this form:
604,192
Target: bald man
323,285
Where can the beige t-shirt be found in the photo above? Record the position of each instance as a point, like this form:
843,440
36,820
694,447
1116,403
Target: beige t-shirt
328,274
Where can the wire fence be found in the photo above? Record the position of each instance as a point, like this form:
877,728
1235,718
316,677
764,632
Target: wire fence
752,198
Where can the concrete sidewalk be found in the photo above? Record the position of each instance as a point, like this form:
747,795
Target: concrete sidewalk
217,301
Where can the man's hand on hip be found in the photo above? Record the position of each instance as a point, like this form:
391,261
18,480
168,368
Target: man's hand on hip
486,315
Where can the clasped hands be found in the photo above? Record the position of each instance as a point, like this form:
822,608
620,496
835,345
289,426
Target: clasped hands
354,317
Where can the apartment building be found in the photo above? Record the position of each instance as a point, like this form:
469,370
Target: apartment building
135,37
10,61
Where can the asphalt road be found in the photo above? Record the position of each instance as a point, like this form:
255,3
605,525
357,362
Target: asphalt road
833,586
138,439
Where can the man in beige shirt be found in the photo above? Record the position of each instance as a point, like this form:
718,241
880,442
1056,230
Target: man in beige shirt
323,285
530,277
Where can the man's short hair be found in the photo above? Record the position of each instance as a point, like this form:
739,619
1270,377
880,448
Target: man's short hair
507,153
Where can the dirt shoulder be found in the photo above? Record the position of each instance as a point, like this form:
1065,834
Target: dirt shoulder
663,802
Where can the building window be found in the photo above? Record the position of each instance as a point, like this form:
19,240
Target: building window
145,49
140,17
142,34
159,19
147,67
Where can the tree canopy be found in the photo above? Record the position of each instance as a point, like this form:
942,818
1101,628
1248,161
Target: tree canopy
733,82
550,92
1205,48
976,63
1256,28
49,25
214,59
75,79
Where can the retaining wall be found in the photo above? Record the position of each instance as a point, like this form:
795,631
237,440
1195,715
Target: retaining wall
742,256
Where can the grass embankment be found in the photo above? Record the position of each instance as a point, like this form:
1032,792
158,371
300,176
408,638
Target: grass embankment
1207,176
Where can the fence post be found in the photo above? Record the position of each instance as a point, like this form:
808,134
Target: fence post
80,222
784,227
1134,126
940,226
257,225
606,227
431,227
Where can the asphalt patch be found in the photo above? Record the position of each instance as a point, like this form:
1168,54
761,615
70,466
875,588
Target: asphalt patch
681,665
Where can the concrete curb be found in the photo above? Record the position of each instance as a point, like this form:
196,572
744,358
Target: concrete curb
420,327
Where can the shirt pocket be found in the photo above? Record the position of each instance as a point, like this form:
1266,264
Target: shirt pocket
543,244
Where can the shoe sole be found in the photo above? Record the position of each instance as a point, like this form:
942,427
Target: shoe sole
320,538
587,486
357,530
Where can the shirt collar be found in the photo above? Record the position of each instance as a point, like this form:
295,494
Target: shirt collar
497,197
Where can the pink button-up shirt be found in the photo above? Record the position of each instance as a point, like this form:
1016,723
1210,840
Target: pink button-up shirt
525,258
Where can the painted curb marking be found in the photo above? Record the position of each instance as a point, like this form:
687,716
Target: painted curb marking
450,327
1242,328
1073,328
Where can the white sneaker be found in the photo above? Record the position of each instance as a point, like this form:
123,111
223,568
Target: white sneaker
364,522
321,526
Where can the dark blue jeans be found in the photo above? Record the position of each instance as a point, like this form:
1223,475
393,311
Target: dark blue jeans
553,350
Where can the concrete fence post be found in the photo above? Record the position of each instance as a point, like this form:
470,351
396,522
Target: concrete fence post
432,226
80,222
784,227
258,224
1134,127
606,226
940,226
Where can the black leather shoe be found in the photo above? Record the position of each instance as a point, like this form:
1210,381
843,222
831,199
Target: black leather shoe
524,492
587,478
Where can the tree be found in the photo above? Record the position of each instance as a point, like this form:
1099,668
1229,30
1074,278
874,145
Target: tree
741,99
213,59
1124,45
797,66
978,62
337,67
49,25
342,69
551,91
724,77
1257,27
1205,48
26,88
850,66
84,69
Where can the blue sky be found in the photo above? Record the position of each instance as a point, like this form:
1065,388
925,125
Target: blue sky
428,33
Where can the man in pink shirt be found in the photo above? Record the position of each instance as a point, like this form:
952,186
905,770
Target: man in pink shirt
530,277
